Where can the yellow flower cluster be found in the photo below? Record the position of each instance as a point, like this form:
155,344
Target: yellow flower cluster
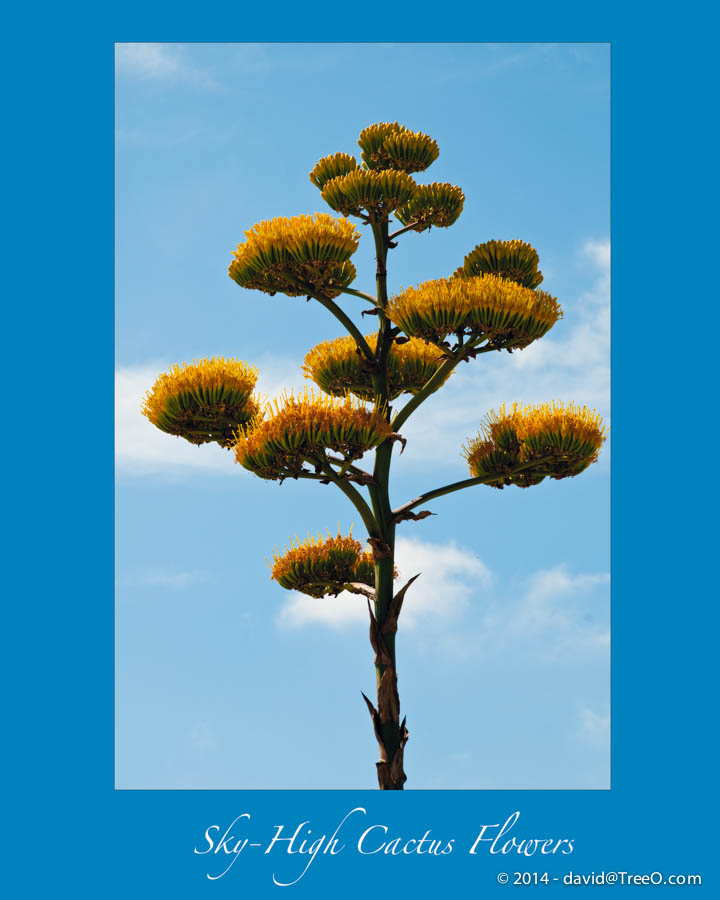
372,194
501,310
298,430
206,400
296,256
321,566
388,145
432,204
553,438
330,167
336,368
514,260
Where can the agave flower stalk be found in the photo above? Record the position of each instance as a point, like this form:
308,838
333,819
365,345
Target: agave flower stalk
491,303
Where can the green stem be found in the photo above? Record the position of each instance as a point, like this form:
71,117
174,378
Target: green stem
393,739
346,466
341,316
402,231
360,294
356,498
436,381
350,326
460,485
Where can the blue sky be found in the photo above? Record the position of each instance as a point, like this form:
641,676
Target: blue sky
223,679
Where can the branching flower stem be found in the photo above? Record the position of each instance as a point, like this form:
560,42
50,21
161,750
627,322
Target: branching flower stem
361,294
460,485
402,231
378,516
350,326
354,496
438,379
346,466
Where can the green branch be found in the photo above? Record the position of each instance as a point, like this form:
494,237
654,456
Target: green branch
436,381
341,316
433,384
346,466
350,326
400,231
360,294
355,497
459,486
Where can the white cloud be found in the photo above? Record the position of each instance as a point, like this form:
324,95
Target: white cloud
279,374
141,449
599,252
558,615
164,579
160,62
593,727
571,363
449,575
455,607
549,600
336,612
175,580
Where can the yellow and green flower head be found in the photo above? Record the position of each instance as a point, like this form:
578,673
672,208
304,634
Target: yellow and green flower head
295,431
297,256
514,260
552,439
504,312
323,566
389,145
330,167
432,204
336,368
373,195
206,400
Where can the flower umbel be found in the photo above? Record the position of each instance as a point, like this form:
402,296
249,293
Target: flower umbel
370,195
296,431
552,439
297,256
388,145
324,566
206,400
336,367
330,167
502,311
432,204
514,260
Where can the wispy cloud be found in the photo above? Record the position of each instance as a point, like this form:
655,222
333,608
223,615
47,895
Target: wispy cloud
458,608
593,727
450,574
172,580
161,62
559,614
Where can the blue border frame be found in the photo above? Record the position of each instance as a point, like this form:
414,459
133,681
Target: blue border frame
70,831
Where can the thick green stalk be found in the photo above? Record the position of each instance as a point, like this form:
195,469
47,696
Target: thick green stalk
391,735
